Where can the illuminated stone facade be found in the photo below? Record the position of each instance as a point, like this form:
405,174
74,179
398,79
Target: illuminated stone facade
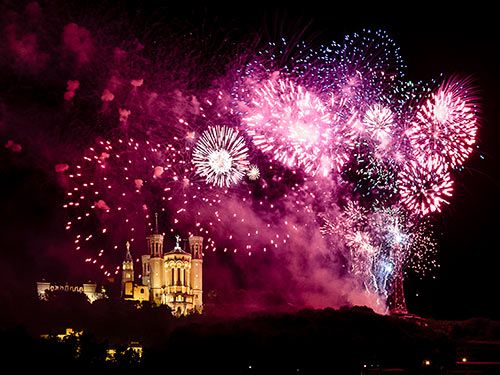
173,278
90,290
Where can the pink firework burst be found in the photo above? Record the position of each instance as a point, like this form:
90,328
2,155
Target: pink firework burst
293,124
360,241
424,188
362,254
445,126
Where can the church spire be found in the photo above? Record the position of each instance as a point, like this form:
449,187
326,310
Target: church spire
127,269
156,223
128,256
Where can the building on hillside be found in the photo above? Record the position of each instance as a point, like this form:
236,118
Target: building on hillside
89,289
173,278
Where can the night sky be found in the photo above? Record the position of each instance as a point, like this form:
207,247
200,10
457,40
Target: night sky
433,40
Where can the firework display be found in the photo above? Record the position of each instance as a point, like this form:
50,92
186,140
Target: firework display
332,140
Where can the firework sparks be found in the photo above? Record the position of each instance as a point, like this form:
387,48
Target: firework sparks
425,188
108,201
221,156
445,127
253,172
292,124
379,121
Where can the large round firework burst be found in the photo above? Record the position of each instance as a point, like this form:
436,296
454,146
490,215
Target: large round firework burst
445,126
424,188
295,126
221,156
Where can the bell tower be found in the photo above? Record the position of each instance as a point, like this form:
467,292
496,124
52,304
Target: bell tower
127,268
155,247
196,249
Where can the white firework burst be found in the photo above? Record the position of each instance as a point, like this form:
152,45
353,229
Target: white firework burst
221,156
379,121
253,172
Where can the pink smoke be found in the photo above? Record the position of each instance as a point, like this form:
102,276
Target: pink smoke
300,274
124,113
104,156
25,48
13,146
72,86
33,11
107,96
60,168
101,205
138,183
158,171
137,82
78,40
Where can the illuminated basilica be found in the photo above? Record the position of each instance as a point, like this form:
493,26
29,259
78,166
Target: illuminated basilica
172,278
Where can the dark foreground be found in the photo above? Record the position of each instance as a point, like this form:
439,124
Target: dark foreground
117,334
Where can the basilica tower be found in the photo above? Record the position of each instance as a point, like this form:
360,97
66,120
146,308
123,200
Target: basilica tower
127,268
156,272
196,249
178,293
